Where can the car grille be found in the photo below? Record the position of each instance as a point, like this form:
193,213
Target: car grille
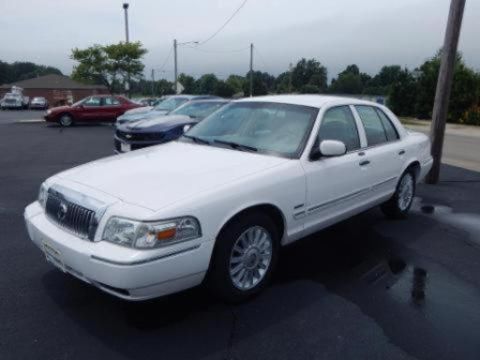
128,136
73,217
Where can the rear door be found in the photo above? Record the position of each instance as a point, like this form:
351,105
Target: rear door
337,186
111,108
384,155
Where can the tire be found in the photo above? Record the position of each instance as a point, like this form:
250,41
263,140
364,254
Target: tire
65,120
399,204
257,261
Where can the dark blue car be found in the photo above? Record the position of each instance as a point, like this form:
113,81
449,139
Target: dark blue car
142,133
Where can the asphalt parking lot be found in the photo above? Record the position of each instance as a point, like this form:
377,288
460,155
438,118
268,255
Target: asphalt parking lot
367,288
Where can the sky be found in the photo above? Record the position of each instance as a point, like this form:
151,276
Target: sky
369,33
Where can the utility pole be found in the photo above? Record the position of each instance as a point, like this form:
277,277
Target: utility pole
175,64
444,86
290,72
127,40
125,8
153,82
251,70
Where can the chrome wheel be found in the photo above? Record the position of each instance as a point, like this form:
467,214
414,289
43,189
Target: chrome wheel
66,120
405,192
250,258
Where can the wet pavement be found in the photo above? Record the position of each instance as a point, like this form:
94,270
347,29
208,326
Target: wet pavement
367,288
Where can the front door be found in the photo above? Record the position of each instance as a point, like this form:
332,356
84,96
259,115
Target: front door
91,109
336,186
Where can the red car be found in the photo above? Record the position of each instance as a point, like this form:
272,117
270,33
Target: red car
96,108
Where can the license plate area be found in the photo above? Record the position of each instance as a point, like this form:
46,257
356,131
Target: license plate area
53,256
125,147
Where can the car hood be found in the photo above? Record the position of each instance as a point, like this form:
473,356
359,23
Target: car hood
163,175
60,108
147,114
160,122
138,110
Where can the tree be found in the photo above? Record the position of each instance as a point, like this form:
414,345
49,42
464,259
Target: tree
349,81
262,83
402,93
21,70
282,83
206,84
109,65
381,83
188,83
309,72
236,82
223,89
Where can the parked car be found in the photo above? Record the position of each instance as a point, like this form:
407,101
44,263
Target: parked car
218,203
143,133
96,108
39,103
162,108
12,101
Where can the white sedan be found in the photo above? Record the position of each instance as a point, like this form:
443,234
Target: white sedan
218,203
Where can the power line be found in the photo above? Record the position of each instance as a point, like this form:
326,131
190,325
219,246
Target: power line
260,56
218,51
166,60
225,24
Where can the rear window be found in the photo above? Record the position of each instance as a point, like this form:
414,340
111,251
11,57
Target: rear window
374,129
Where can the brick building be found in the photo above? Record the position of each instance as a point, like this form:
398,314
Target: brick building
57,89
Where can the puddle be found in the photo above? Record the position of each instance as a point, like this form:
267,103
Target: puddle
465,221
448,304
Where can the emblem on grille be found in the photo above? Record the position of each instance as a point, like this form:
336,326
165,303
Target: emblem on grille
62,211
128,136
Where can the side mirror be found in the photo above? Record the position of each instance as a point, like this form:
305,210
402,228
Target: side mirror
332,148
186,128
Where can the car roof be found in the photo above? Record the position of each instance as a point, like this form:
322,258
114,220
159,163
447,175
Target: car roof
308,100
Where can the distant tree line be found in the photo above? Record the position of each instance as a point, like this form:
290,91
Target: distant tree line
21,70
409,92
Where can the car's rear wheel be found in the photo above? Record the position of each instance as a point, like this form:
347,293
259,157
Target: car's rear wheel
399,204
244,257
66,120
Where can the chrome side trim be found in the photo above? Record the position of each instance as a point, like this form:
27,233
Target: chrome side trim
349,196
144,261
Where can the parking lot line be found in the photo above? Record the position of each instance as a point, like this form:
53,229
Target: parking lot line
30,121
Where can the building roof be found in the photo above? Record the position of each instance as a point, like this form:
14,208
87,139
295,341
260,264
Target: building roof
307,100
53,81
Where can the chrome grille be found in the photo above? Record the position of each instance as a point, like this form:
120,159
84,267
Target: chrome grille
73,217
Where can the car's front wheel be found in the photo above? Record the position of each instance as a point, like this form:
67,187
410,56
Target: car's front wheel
244,258
401,201
66,120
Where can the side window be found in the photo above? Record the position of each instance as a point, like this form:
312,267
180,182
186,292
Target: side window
339,124
92,101
390,130
372,124
111,101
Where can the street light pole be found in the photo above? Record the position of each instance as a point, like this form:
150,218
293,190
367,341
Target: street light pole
251,70
125,8
444,87
175,86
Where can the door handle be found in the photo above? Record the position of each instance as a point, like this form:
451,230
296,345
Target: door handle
401,152
364,163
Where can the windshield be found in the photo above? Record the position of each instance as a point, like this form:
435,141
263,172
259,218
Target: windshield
198,109
276,128
171,103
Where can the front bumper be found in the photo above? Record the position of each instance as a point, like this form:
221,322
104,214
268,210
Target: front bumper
135,145
126,273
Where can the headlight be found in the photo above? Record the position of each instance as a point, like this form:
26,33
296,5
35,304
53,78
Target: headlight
49,112
42,195
150,235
